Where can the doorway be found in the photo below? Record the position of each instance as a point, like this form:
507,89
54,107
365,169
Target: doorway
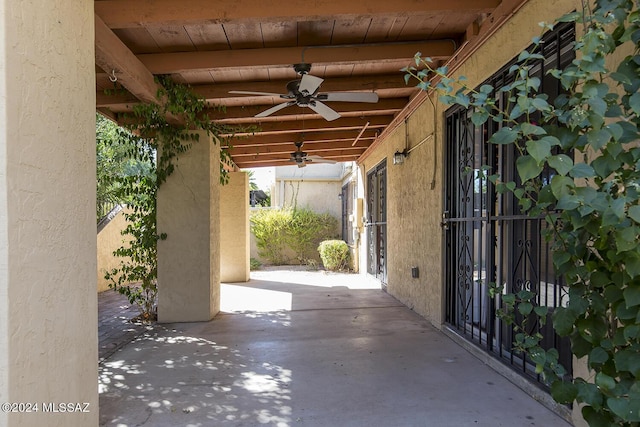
377,222
487,238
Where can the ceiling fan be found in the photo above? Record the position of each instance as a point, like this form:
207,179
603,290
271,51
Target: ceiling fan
304,92
301,158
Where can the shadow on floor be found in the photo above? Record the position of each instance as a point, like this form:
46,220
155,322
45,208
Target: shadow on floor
324,350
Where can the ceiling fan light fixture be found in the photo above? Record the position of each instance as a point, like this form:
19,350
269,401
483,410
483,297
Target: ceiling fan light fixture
304,92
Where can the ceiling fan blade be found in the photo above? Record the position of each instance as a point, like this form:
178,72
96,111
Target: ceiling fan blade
248,92
275,108
318,159
371,97
310,83
324,111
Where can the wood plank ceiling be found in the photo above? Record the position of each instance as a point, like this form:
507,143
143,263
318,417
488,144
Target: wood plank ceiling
251,45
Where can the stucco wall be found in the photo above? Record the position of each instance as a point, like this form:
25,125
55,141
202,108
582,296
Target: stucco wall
318,195
413,214
189,259
234,228
48,304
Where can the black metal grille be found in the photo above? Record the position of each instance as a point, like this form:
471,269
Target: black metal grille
377,222
487,238
347,198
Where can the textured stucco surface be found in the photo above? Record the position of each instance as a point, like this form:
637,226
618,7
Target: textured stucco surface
48,330
413,215
109,239
318,195
189,259
234,228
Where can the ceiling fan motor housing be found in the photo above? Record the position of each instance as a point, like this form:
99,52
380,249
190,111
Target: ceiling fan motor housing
302,68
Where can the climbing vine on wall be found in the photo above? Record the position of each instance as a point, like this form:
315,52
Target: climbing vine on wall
591,203
157,134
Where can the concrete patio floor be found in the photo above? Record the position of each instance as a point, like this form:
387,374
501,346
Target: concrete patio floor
299,348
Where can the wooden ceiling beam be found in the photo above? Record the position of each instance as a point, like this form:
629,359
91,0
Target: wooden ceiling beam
312,137
179,62
343,123
384,106
215,92
114,57
132,14
256,163
327,155
333,84
289,147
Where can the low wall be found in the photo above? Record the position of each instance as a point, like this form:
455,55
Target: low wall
109,239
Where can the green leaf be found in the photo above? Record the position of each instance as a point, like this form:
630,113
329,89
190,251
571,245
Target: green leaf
561,186
540,104
627,409
598,138
564,392
563,321
598,356
568,202
604,165
531,129
632,264
505,135
625,239
561,163
528,168
632,296
479,117
539,149
525,308
627,360
582,170
604,381
541,311
634,103
634,213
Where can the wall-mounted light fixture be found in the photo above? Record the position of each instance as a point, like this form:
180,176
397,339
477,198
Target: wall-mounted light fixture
399,156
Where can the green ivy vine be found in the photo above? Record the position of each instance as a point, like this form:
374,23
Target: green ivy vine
591,204
157,134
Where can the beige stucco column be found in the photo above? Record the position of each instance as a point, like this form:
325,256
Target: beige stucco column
234,228
48,304
189,259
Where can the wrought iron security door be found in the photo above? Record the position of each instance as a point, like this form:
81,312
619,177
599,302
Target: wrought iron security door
377,222
487,238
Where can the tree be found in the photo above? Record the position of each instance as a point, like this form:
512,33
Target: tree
114,161
591,203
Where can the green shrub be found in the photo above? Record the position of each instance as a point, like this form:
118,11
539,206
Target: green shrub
335,255
280,232
254,264
306,230
269,226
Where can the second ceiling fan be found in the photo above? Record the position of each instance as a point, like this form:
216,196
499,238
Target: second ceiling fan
304,92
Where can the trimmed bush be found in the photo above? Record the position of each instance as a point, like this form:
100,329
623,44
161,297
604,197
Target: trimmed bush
280,232
269,226
335,255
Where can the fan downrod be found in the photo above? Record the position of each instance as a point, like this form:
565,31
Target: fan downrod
302,68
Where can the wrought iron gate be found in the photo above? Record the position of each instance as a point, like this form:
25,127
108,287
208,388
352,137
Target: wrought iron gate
487,238
377,222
